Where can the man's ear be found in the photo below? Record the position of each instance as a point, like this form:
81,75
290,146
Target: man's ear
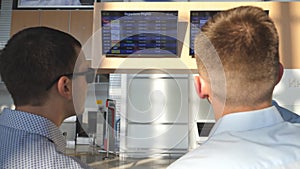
64,87
280,72
200,87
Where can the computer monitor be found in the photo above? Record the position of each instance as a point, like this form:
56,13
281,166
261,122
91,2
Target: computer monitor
197,20
204,128
139,33
62,4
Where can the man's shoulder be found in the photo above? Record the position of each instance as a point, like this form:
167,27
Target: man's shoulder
40,156
50,156
287,114
235,156
22,148
272,146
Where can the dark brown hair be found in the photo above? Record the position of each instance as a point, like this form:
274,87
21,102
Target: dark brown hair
32,59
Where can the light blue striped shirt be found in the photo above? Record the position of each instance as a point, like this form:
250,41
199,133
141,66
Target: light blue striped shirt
31,141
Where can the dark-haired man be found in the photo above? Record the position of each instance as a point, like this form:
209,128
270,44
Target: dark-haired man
38,68
237,57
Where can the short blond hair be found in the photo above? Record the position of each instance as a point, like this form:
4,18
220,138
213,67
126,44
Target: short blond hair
245,41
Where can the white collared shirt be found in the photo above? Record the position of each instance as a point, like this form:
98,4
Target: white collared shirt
248,140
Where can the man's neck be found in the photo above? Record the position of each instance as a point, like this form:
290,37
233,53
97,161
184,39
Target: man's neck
48,112
225,109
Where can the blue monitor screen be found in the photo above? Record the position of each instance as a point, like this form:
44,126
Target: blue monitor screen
197,20
139,33
44,4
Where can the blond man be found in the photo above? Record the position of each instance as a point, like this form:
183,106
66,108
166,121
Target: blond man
238,62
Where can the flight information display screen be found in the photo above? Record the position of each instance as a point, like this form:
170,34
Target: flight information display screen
197,20
55,3
139,33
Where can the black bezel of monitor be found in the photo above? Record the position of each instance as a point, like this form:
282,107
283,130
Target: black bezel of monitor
140,53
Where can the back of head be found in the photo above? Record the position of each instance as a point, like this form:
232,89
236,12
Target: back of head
32,59
246,41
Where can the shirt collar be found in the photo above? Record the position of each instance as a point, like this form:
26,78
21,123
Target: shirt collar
33,124
244,121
